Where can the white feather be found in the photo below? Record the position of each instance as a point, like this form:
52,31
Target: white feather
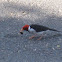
31,30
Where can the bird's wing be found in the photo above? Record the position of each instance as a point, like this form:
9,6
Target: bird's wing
39,28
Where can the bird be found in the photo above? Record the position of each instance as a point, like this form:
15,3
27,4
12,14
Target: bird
36,29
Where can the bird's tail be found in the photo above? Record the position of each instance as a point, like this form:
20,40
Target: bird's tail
59,32
55,30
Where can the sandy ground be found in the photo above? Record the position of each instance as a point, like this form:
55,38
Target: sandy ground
15,47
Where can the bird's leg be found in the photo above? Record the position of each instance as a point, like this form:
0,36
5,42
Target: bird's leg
32,37
40,37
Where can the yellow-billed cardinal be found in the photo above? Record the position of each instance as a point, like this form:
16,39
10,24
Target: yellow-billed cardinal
35,29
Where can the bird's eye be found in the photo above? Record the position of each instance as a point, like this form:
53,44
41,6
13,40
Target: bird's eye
25,28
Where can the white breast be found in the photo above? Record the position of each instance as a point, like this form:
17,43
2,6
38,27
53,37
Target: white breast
31,30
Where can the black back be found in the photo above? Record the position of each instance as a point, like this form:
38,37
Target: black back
40,28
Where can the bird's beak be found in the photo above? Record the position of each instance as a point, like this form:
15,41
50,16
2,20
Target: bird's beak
21,31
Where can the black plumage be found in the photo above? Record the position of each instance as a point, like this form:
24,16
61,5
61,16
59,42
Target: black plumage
39,28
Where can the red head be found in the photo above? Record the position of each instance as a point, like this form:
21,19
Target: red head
25,27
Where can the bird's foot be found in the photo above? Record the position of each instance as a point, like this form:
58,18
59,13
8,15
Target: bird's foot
39,38
31,37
